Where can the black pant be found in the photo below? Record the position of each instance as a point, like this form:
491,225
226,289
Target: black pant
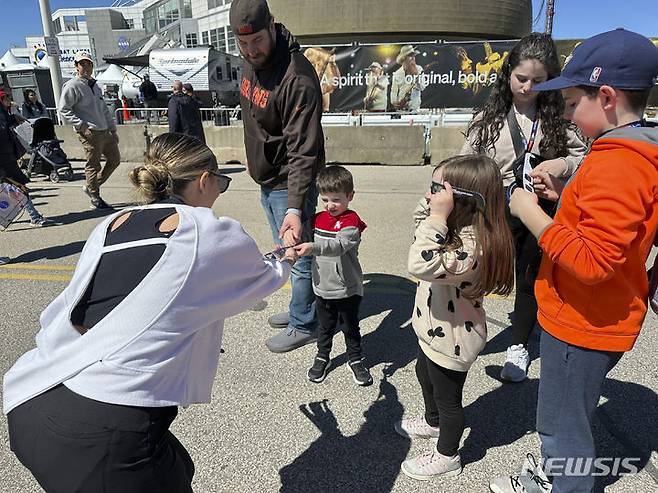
72,444
442,393
330,312
527,259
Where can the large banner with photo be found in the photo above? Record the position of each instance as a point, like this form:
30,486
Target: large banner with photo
407,77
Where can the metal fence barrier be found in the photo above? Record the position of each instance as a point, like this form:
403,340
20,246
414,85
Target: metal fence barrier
225,116
221,116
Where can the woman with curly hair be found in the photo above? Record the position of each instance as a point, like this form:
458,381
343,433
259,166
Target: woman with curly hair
513,121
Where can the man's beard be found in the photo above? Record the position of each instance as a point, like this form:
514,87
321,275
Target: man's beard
264,59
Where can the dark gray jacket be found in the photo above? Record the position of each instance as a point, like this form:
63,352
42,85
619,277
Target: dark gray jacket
185,116
10,148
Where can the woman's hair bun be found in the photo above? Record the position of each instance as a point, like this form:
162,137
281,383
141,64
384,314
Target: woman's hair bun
152,180
172,162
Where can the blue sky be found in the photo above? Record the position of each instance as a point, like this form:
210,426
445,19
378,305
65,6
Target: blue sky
573,18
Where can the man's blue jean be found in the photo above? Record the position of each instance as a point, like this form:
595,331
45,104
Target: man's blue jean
570,386
302,302
32,211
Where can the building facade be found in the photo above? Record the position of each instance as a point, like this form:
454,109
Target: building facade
100,31
380,21
109,31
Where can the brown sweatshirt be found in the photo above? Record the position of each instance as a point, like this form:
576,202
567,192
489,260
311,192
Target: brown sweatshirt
281,112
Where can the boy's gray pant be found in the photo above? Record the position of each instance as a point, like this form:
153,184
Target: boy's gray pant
569,390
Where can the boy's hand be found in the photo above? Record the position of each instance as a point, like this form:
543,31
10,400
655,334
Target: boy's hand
442,202
521,201
546,185
524,205
304,250
555,167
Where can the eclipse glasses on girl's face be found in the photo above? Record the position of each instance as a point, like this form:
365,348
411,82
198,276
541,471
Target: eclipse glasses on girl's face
461,192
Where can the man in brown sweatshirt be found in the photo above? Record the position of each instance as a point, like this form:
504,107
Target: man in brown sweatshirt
281,111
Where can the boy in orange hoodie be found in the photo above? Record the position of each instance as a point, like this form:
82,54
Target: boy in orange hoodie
592,286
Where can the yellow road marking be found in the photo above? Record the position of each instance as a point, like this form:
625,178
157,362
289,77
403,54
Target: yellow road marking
373,288
36,277
20,266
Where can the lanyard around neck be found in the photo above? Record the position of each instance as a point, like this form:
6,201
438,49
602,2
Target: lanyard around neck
530,143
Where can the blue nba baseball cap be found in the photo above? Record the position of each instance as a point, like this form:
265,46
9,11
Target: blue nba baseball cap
620,58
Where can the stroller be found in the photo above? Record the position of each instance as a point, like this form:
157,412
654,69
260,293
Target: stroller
46,155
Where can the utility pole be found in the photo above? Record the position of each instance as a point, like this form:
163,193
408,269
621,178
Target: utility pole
550,12
52,48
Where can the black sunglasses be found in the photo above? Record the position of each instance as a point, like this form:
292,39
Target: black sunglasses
461,192
224,181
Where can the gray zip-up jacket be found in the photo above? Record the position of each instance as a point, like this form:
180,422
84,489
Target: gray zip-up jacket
82,105
336,270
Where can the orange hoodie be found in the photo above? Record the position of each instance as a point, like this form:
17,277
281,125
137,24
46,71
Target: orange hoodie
592,286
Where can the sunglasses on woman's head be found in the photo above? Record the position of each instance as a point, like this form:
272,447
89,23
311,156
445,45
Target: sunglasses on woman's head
224,181
461,192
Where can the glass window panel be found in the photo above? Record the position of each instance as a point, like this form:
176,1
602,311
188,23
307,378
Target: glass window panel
231,43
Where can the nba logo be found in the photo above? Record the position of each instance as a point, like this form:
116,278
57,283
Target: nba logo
595,74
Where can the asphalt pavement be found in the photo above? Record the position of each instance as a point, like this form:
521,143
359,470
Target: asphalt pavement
268,428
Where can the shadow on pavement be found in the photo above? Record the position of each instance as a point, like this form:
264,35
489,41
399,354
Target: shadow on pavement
500,342
623,427
393,341
370,460
54,252
231,169
42,196
77,216
499,417
366,462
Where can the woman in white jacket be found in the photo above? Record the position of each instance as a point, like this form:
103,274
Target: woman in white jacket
137,333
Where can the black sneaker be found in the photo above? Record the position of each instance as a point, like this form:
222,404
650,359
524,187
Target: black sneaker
99,203
360,373
318,372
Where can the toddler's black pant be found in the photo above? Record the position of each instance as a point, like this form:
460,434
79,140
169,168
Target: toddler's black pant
72,444
329,313
442,393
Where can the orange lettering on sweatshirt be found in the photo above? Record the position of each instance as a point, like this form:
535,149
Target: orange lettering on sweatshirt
258,95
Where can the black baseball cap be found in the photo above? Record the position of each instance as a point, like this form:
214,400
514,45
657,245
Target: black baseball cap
249,16
621,59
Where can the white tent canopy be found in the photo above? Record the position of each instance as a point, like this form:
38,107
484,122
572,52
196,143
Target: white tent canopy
112,75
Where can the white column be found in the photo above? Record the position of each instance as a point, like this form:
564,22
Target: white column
53,61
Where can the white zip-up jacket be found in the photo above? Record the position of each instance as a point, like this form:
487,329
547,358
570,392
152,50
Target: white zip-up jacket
160,346
83,106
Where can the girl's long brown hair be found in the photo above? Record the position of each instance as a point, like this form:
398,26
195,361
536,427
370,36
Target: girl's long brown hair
492,234
485,130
